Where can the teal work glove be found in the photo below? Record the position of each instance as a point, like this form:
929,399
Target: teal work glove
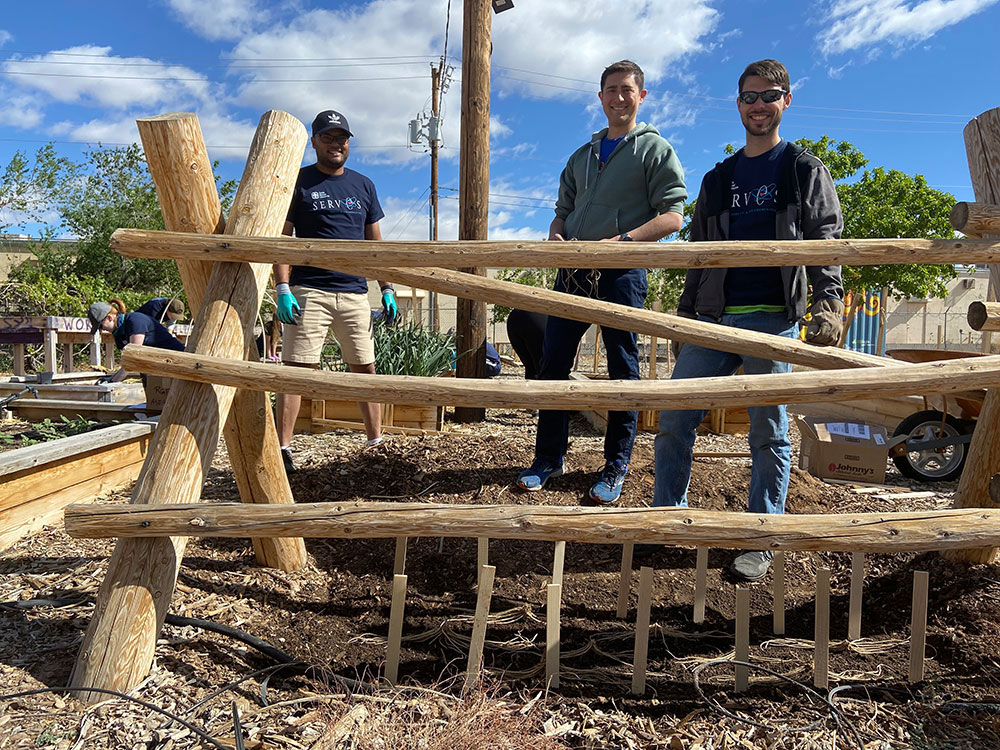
288,306
389,308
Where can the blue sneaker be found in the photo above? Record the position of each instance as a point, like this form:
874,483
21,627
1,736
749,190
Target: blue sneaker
541,471
609,487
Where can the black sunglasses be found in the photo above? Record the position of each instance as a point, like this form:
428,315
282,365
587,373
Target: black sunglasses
770,96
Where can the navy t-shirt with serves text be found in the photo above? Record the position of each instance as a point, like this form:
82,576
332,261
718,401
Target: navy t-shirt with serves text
752,209
332,207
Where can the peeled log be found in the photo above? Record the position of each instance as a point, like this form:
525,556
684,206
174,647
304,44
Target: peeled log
917,531
984,316
147,243
976,219
132,602
948,376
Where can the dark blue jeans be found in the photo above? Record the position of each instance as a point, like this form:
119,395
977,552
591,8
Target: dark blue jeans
618,285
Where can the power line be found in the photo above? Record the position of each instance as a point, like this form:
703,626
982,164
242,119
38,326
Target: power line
109,63
237,59
208,80
407,212
135,143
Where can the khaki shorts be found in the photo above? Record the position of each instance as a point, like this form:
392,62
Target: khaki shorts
347,313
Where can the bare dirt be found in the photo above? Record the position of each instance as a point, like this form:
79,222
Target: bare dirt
335,614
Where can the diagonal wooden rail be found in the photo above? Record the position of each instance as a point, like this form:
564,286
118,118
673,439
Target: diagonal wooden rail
950,376
144,243
916,531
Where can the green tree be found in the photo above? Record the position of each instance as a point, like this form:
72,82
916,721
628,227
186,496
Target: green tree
885,203
27,188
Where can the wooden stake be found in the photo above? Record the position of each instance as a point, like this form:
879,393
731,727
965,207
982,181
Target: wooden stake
486,575
857,587
597,350
118,647
395,628
779,593
399,563
918,625
821,657
742,637
558,563
625,580
553,594
642,630
482,552
700,584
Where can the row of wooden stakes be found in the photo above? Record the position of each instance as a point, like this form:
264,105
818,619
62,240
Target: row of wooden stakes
821,655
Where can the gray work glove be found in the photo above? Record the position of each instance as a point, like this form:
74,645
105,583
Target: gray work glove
827,322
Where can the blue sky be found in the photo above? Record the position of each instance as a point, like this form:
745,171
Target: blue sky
897,78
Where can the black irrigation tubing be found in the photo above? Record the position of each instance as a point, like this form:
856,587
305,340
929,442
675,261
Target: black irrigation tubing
841,721
150,706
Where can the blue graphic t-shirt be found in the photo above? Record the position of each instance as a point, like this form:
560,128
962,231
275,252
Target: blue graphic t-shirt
156,335
607,146
334,207
752,207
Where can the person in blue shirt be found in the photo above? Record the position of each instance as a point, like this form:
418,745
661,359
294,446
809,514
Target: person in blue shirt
165,310
333,202
129,328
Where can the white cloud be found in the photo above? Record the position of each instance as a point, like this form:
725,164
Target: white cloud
90,75
19,111
660,35
861,23
219,19
5,36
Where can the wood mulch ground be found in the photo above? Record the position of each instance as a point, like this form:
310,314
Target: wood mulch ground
334,616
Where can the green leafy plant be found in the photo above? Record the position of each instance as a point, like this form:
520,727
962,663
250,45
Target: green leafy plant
410,349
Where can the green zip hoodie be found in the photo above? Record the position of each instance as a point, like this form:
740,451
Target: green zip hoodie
641,179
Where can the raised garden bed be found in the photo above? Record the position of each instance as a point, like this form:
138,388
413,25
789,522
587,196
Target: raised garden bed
38,481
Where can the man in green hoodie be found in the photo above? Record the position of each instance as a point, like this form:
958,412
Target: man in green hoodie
625,184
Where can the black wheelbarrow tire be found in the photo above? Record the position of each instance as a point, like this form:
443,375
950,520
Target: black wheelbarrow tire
933,466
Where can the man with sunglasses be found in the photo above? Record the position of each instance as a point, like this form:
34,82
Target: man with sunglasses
769,190
330,201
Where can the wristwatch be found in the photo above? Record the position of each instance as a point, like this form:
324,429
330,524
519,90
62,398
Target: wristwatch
625,237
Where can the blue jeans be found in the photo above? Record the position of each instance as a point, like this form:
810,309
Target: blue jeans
624,287
770,449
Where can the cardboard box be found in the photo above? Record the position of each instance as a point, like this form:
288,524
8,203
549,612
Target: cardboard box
853,451
156,389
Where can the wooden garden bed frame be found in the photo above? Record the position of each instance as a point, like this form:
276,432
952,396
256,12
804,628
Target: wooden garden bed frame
38,481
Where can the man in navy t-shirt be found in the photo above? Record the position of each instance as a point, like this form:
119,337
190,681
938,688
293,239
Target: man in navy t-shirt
329,202
769,190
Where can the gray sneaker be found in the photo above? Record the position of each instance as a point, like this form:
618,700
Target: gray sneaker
752,565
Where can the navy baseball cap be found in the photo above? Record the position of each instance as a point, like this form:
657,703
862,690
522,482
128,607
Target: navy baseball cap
330,120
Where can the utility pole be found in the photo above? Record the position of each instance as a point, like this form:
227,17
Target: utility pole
434,133
474,186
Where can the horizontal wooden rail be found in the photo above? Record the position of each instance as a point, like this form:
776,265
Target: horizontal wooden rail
975,219
984,316
947,376
142,243
918,531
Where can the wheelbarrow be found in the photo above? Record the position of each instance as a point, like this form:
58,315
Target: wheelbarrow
933,444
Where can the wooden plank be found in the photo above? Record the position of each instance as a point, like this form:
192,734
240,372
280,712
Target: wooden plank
553,599
700,584
34,456
329,425
821,643
558,561
27,518
19,360
742,638
625,580
29,484
907,531
399,563
778,597
482,552
36,410
642,631
485,594
857,588
918,625
395,628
